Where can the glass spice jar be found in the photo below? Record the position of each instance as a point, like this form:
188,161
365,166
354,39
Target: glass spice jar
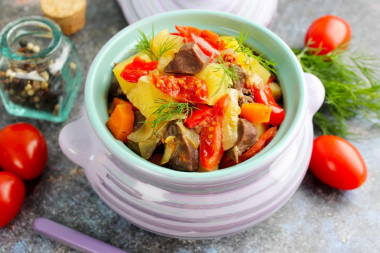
39,69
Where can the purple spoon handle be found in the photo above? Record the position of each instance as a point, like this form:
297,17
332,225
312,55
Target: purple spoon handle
71,237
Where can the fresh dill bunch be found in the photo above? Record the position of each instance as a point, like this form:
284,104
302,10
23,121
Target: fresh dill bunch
269,65
169,110
229,74
352,85
144,44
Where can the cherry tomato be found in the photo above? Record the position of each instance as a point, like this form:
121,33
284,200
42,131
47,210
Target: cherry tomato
211,138
184,88
12,194
328,32
337,163
136,69
23,150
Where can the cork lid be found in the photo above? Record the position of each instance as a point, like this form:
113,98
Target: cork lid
60,9
70,15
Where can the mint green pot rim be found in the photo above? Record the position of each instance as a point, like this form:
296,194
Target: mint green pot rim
295,104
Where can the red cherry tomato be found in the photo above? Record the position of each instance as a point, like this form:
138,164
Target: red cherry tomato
136,69
23,150
184,88
329,32
337,163
12,194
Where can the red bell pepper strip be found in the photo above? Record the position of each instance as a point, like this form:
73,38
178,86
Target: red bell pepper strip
206,48
265,96
261,143
186,31
209,36
213,39
199,115
277,115
136,69
211,138
184,88
208,41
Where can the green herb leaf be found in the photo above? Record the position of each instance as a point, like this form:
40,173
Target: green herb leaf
168,110
230,74
352,85
144,44
269,65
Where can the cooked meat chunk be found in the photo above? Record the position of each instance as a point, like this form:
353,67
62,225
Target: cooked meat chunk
247,136
245,96
189,60
185,156
241,76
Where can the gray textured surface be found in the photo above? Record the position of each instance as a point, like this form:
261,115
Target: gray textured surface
316,219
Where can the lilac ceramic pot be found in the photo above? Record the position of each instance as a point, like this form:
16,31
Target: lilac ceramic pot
195,205
258,11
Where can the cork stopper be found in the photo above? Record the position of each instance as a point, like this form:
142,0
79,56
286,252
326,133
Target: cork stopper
70,15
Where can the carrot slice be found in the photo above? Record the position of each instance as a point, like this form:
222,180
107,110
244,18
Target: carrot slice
115,102
256,112
120,123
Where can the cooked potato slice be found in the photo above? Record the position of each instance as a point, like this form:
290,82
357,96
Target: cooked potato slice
231,121
212,74
258,75
145,95
276,90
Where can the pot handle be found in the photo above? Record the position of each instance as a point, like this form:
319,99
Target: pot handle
78,142
315,92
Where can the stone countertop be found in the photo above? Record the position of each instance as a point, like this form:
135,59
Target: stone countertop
316,219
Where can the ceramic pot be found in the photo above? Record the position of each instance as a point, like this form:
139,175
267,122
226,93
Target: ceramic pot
260,12
195,205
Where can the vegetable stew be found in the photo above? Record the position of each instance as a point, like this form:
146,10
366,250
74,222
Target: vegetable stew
195,101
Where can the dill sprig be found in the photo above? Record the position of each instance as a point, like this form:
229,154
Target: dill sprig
230,74
269,65
144,44
169,110
352,85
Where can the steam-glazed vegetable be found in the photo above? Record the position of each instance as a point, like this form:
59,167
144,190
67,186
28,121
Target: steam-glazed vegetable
194,100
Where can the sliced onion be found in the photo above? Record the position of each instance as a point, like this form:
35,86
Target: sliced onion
189,135
169,149
142,134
